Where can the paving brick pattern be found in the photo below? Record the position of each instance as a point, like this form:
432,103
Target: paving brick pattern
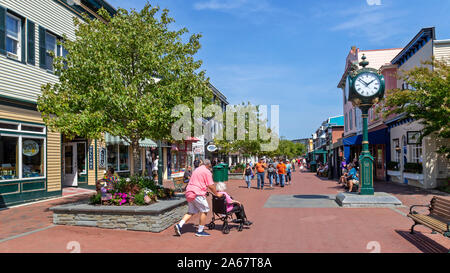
287,230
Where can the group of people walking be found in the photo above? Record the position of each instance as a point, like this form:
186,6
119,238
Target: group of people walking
277,171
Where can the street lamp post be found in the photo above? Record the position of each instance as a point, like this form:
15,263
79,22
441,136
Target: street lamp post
160,164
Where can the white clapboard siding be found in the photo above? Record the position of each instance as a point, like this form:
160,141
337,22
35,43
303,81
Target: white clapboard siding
442,50
24,81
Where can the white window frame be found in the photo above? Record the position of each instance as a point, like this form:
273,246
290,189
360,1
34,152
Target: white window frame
17,56
19,128
117,167
414,151
20,163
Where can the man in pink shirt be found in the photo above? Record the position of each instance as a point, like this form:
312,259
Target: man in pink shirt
201,180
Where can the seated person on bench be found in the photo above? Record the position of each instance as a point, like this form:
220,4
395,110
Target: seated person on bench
233,206
343,179
353,178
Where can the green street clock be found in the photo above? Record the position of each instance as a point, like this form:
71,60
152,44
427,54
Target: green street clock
364,88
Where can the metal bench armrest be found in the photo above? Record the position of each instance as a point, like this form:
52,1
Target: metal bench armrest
414,212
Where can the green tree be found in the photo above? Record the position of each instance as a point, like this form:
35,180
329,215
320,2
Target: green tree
124,77
427,101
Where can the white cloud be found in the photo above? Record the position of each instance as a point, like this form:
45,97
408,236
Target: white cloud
219,4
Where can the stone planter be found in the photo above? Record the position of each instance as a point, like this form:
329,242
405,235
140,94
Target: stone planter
416,177
153,218
396,176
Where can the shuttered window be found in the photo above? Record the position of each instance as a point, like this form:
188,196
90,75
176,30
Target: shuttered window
2,30
42,62
31,34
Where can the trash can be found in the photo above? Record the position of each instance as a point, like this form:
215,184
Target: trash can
313,166
218,175
225,171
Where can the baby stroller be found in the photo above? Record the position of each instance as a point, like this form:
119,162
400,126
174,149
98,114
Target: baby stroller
219,209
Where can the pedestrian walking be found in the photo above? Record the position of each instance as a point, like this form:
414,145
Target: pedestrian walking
260,169
271,174
288,172
277,178
281,168
247,175
201,180
293,165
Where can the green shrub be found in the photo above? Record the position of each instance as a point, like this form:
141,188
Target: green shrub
392,166
96,199
413,168
139,199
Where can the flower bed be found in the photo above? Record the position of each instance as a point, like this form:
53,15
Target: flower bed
152,218
133,191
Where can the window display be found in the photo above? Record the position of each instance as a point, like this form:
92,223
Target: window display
123,157
112,156
8,158
32,157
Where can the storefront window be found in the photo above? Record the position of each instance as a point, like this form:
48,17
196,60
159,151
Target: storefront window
32,157
81,157
112,156
8,158
123,157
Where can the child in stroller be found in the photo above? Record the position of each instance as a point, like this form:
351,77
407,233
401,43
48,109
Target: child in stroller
224,207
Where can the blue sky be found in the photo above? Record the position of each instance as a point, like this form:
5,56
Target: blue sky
292,53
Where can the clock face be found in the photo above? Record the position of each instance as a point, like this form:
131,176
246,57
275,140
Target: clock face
367,84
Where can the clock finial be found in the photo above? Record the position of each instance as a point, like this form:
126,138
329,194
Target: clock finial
364,63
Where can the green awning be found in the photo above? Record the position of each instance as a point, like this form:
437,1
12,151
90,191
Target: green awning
113,140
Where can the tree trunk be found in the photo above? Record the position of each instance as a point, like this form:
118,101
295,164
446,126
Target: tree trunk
135,167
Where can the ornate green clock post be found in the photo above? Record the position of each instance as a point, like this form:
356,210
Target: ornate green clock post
365,87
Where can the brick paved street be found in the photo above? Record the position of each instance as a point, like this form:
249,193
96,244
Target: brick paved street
275,229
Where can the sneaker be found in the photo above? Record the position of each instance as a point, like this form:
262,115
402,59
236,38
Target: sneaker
248,223
202,234
177,229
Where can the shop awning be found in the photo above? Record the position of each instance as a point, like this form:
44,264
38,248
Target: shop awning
376,137
113,140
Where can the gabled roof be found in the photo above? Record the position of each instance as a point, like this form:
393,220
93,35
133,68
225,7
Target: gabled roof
421,38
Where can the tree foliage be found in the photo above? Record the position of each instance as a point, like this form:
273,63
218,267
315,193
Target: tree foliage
428,100
124,77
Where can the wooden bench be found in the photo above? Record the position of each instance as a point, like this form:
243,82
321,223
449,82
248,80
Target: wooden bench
438,220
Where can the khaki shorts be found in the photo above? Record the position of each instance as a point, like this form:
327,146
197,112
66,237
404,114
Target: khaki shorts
199,204
355,182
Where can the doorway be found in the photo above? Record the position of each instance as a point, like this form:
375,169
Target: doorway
74,163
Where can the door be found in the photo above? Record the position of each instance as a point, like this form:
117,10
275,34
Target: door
70,165
379,163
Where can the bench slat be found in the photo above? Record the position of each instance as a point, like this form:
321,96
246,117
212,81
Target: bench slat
429,221
444,216
440,200
441,207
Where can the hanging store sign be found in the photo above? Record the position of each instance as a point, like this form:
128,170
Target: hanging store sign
102,158
91,157
30,148
212,148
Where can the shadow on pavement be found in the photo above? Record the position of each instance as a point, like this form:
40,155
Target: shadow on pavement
313,197
69,200
422,242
